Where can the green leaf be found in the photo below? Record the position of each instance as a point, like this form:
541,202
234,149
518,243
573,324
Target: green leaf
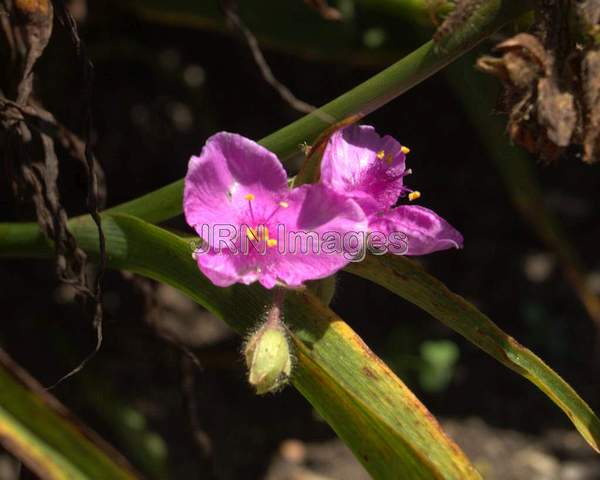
426,60
35,427
388,429
410,281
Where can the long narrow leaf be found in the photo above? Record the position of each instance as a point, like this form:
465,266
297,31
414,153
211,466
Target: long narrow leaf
40,431
407,279
386,426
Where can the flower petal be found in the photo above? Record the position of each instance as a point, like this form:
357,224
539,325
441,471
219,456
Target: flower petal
315,215
224,268
296,256
229,167
424,230
360,163
220,268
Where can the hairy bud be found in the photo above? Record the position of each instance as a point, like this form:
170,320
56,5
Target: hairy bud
268,359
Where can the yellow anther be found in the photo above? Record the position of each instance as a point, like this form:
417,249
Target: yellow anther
380,154
284,204
252,234
405,150
249,196
260,233
414,195
389,159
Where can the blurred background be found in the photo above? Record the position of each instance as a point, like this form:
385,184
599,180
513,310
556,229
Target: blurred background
170,74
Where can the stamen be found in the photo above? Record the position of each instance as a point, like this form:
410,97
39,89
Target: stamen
414,195
389,159
279,205
260,233
250,197
405,150
252,234
380,154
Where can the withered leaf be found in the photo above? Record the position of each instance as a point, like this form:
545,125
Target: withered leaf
542,117
590,79
556,112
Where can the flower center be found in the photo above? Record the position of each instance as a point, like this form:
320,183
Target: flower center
381,155
259,231
388,157
412,194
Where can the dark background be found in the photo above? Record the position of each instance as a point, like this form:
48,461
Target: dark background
159,92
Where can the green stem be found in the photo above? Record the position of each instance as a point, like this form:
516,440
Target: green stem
166,202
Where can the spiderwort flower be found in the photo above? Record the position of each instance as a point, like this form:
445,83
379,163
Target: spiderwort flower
238,183
370,169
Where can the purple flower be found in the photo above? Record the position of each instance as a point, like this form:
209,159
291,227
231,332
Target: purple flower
237,183
370,169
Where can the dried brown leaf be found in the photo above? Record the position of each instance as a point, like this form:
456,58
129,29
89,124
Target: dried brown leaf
555,112
590,79
542,116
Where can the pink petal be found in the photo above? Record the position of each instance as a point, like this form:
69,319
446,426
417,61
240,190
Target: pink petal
221,269
360,163
314,209
229,167
318,210
425,231
224,268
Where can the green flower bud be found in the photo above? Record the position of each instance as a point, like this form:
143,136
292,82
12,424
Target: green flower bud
268,359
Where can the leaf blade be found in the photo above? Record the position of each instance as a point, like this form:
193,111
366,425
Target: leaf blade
410,281
392,433
40,431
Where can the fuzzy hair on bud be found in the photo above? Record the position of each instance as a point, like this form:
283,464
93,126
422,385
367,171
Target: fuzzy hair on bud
268,358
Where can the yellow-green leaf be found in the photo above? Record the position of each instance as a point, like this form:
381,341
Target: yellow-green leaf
388,429
35,427
410,281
